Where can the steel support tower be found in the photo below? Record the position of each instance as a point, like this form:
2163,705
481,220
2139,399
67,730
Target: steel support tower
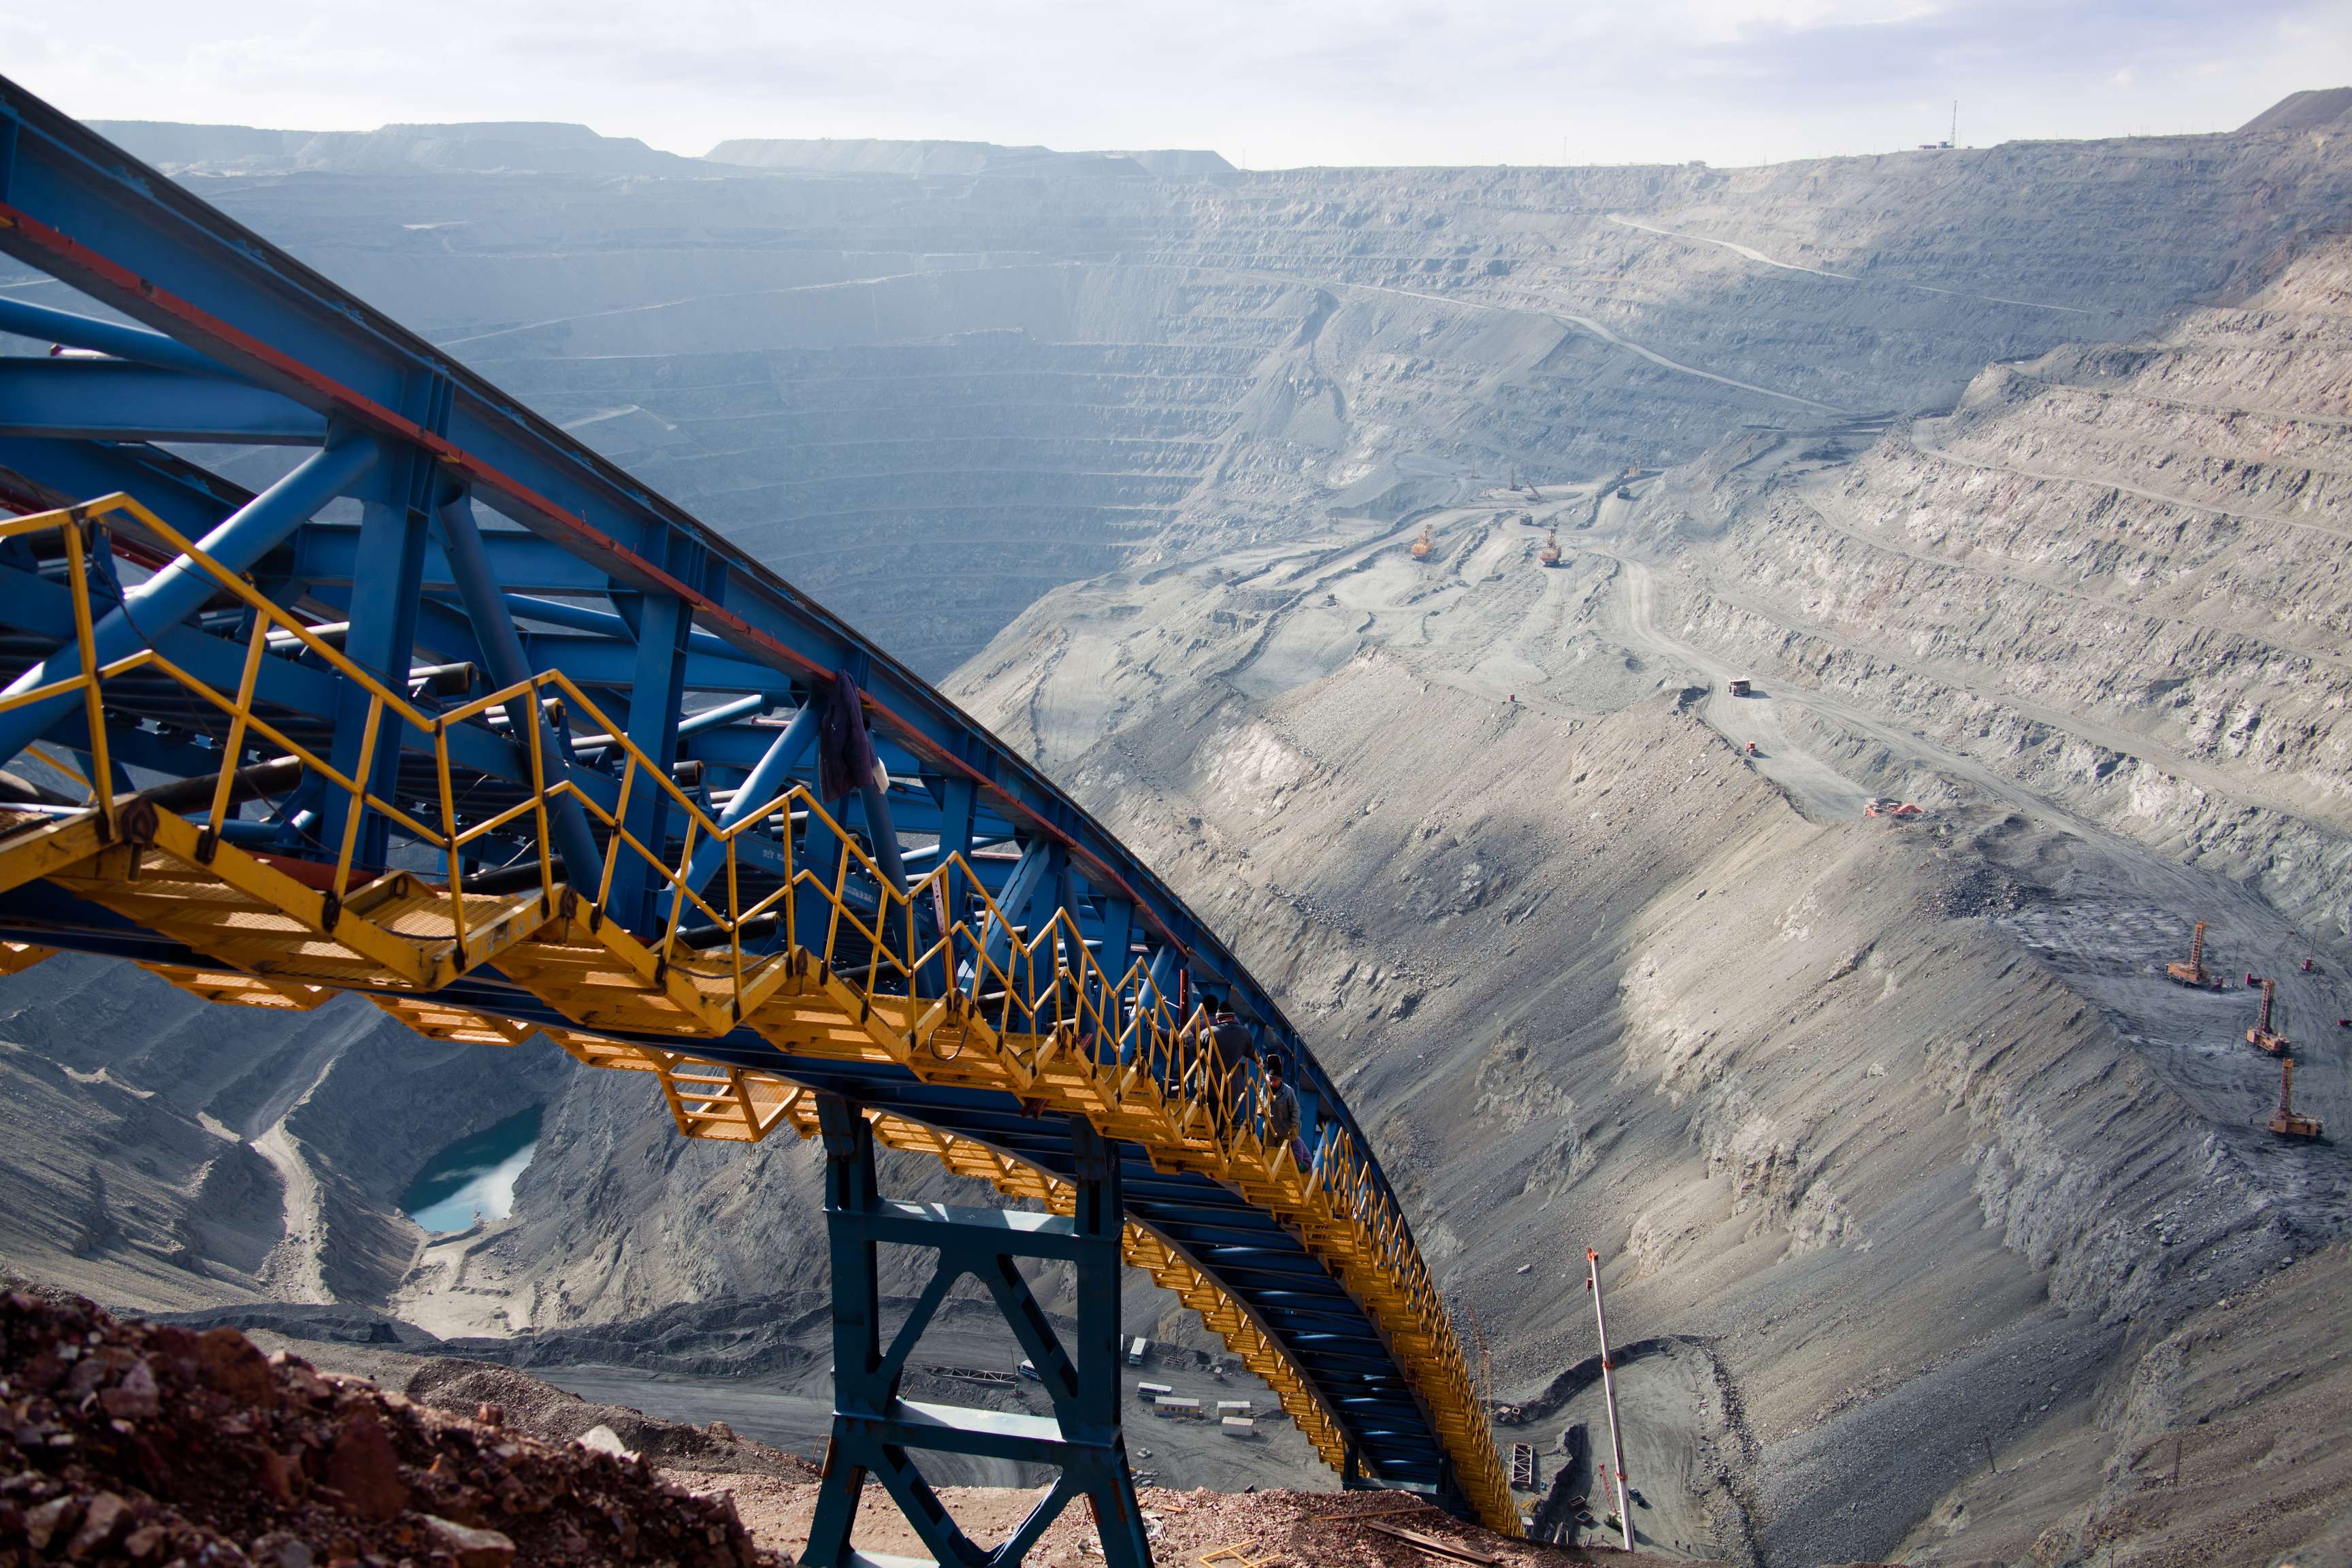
875,1431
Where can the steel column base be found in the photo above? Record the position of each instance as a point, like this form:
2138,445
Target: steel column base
875,1432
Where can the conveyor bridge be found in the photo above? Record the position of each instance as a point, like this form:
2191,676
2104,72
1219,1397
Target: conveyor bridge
455,716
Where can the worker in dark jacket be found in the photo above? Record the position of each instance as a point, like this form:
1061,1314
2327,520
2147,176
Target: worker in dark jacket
1235,1045
1225,1049
1282,1113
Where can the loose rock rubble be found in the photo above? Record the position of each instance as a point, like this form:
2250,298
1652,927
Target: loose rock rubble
545,1411
1278,1527
130,1442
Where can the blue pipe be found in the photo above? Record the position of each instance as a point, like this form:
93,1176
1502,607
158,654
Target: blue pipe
764,784
181,589
1029,874
43,322
477,588
725,713
884,833
1159,985
605,624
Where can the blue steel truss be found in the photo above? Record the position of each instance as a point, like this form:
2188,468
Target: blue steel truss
452,540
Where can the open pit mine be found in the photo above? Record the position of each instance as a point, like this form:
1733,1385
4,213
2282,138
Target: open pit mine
1205,819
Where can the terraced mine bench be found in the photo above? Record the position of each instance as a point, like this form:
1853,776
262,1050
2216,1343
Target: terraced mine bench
526,747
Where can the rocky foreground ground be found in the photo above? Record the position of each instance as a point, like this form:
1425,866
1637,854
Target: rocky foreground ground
1277,1529
127,1443
130,1442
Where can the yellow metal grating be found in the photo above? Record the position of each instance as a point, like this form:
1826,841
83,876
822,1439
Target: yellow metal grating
439,1021
241,990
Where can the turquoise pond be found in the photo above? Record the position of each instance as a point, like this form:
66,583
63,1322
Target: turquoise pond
475,1176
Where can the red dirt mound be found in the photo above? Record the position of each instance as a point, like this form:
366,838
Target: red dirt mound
128,1443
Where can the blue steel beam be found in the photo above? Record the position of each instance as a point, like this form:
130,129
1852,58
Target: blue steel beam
469,565
177,592
604,623
882,834
873,1428
955,822
525,563
657,689
1030,875
739,746
67,473
602,661
380,638
593,747
109,400
766,780
46,323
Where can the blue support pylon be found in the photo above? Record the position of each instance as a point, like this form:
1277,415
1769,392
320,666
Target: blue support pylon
874,1429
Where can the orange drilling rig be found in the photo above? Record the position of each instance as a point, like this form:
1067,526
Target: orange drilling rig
1423,545
1549,554
2286,1122
2261,1035
2193,971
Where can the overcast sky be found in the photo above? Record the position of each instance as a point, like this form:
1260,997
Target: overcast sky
1266,83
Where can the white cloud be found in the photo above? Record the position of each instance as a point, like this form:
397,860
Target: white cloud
1377,82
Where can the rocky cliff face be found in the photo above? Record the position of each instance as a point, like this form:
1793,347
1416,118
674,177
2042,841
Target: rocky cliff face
1895,1119
1020,378
170,1154
2114,574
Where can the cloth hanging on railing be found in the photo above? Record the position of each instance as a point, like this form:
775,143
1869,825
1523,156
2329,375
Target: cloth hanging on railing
844,752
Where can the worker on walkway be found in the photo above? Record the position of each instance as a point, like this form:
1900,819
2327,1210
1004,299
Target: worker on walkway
1225,1049
1235,1045
1282,1114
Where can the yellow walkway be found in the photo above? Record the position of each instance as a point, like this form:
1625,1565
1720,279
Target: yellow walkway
1029,1013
